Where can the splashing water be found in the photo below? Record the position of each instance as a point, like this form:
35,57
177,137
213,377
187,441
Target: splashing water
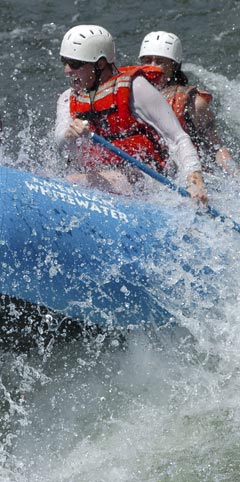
152,405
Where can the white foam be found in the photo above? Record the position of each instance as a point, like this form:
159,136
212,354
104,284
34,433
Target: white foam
225,92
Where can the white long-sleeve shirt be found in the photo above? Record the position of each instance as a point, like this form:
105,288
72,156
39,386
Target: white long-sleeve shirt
150,107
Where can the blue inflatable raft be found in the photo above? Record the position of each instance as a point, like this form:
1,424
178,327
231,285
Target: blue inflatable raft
82,254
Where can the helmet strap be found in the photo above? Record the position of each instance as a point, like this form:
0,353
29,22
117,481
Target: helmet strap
98,73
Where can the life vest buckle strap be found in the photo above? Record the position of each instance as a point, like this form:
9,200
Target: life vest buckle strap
94,115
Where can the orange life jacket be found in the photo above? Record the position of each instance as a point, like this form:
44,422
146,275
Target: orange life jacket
110,116
180,97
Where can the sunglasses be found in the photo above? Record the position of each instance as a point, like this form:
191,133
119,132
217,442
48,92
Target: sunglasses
73,64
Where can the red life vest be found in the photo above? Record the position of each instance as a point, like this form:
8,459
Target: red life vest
110,116
179,98
154,74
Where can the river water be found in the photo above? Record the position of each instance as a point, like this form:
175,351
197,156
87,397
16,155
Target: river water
155,407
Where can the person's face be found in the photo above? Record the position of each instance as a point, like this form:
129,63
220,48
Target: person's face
82,74
166,64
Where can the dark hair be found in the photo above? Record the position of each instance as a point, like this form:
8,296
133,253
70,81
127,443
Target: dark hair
179,77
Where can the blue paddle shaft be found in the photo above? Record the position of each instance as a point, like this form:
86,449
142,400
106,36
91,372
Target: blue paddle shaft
159,177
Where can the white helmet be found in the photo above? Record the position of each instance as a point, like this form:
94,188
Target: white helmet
88,43
162,44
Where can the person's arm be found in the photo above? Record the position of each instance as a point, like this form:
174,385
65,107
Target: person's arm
204,121
63,120
67,129
154,109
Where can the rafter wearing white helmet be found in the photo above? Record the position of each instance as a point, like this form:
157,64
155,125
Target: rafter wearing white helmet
162,44
189,103
88,43
113,104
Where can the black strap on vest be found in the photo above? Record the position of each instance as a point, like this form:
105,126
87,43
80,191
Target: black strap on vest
95,115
